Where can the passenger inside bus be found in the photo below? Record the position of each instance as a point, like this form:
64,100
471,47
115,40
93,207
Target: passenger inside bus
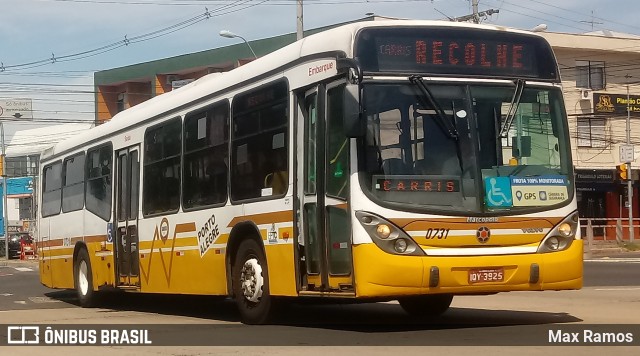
278,179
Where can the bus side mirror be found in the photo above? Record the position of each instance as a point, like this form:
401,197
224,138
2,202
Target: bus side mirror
351,114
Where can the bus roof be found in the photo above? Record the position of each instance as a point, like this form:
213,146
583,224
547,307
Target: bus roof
338,39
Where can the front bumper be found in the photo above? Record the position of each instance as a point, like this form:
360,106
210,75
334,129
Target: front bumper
380,274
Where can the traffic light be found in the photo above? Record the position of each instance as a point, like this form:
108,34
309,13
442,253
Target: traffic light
1,165
623,171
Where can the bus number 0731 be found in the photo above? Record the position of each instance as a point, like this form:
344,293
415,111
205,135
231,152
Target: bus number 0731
437,233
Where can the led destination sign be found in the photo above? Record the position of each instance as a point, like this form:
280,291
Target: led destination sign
418,185
455,51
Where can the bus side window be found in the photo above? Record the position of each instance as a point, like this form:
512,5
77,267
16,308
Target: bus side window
206,136
161,191
98,186
260,143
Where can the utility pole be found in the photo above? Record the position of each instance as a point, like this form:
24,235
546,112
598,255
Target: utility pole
474,7
592,22
299,21
630,181
4,193
476,16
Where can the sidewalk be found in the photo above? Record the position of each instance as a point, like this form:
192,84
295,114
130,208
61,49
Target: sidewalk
601,248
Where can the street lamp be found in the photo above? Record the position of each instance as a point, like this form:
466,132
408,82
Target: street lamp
229,34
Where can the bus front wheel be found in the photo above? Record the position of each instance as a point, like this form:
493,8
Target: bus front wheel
83,279
251,284
426,305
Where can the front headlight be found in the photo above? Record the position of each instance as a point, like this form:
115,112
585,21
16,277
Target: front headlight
383,231
561,236
387,236
565,229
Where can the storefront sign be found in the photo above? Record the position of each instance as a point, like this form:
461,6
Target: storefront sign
616,104
595,176
12,228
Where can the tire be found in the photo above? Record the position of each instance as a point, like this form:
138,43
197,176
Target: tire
426,305
250,280
83,279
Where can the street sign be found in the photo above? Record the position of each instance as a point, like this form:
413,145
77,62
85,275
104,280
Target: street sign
16,109
626,153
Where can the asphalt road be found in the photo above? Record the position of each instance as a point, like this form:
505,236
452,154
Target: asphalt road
20,288
610,298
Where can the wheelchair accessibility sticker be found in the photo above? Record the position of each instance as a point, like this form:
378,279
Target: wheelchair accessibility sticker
497,192
525,191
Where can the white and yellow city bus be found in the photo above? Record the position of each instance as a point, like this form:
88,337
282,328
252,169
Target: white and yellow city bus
386,160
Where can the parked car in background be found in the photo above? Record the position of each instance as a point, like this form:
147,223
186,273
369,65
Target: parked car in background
15,242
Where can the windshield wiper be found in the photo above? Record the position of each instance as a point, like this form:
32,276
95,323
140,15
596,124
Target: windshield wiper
445,123
440,115
513,108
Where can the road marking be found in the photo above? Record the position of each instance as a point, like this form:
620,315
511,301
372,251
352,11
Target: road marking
617,289
20,302
23,269
6,294
44,300
6,274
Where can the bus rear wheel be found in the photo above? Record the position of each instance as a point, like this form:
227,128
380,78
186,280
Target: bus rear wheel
426,305
83,279
251,284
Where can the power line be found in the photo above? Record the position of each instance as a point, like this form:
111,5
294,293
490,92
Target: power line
222,10
207,2
544,19
584,14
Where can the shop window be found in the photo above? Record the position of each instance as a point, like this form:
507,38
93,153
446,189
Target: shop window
121,102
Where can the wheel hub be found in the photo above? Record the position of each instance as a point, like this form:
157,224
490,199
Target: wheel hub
251,280
83,280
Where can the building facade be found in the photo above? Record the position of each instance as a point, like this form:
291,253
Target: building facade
599,72
21,168
20,207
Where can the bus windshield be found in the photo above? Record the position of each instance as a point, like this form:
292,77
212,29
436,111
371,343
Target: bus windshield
467,148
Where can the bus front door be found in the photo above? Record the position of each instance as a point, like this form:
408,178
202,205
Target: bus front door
322,214
126,204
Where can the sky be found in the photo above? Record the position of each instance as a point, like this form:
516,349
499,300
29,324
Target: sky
49,49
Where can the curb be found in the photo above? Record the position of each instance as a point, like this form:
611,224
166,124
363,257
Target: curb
5,263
